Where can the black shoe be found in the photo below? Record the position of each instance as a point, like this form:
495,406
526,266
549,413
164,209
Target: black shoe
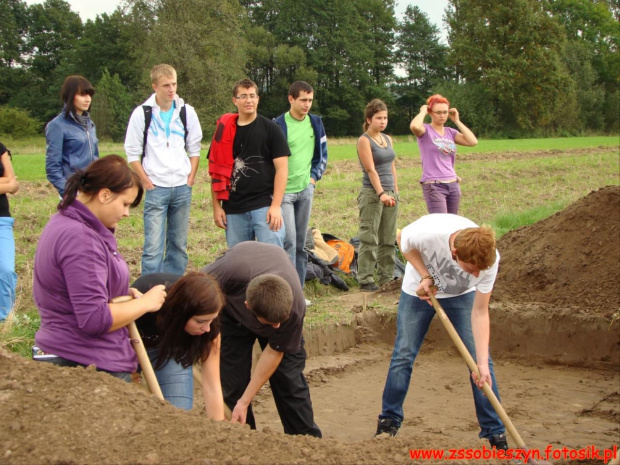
369,287
499,441
387,426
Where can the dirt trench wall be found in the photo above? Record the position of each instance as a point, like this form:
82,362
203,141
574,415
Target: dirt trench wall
330,340
563,336
525,331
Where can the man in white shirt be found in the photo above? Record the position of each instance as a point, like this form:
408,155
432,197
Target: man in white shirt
167,164
460,259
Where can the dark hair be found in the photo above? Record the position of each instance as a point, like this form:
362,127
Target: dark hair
4,149
374,106
196,293
270,297
297,87
74,85
246,83
111,172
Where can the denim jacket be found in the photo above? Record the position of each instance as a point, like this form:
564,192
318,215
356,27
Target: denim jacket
69,147
319,159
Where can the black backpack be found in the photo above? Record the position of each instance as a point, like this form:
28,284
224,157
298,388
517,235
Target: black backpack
148,114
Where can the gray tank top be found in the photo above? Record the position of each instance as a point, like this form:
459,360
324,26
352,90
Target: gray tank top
383,158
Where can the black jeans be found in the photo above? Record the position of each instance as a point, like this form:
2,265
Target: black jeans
288,384
63,362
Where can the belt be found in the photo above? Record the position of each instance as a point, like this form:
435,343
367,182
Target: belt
436,181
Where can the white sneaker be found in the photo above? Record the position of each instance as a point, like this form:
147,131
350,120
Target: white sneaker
308,302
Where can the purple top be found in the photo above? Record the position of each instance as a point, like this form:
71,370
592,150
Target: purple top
77,271
437,153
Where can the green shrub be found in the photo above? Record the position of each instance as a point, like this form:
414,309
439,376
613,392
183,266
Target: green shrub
18,123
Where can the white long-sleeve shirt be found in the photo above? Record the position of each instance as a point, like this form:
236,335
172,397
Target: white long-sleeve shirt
166,161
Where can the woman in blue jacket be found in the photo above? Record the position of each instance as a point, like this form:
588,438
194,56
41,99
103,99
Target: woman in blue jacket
71,138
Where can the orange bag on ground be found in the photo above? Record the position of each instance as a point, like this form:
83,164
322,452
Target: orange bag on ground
346,254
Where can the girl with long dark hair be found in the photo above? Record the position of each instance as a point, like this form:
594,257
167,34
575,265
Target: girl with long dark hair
183,333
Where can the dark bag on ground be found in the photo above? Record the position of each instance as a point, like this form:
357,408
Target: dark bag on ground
319,269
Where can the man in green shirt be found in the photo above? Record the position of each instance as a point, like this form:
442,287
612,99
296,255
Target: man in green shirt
308,145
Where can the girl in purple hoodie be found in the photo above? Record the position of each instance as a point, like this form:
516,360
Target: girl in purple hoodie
78,270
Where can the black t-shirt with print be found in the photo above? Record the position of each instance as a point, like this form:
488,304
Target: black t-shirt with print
4,201
255,147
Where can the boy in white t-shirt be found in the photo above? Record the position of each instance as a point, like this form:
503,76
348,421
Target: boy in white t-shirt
460,258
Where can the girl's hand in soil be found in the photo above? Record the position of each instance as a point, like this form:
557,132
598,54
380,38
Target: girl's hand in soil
239,413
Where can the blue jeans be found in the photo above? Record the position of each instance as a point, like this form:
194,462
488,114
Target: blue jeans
8,278
176,382
166,221
252,225
414,318
296,213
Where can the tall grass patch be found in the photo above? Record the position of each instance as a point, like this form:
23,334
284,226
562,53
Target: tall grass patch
507,221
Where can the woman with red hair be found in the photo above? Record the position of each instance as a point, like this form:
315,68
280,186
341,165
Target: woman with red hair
437,144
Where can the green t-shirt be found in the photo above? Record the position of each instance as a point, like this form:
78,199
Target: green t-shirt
301,143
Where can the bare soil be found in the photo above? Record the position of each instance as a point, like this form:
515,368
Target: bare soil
549,404
569,259
555,342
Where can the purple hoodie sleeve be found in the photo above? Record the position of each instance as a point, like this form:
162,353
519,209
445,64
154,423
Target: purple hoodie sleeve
85,269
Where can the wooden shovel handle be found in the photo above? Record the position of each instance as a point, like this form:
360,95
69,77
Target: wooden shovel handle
143,357
488,392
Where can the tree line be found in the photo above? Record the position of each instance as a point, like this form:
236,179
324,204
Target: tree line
513,68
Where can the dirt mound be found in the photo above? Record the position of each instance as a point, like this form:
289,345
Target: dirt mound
52,415
570,259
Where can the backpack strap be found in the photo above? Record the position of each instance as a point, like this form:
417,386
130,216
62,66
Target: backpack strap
183,116
148,113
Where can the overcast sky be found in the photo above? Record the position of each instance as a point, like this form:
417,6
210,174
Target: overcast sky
89,9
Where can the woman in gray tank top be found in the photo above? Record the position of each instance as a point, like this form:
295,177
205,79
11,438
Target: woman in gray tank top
378,199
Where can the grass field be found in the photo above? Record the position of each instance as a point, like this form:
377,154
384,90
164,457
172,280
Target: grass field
506,183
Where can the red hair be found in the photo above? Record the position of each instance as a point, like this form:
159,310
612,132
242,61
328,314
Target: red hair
436,98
